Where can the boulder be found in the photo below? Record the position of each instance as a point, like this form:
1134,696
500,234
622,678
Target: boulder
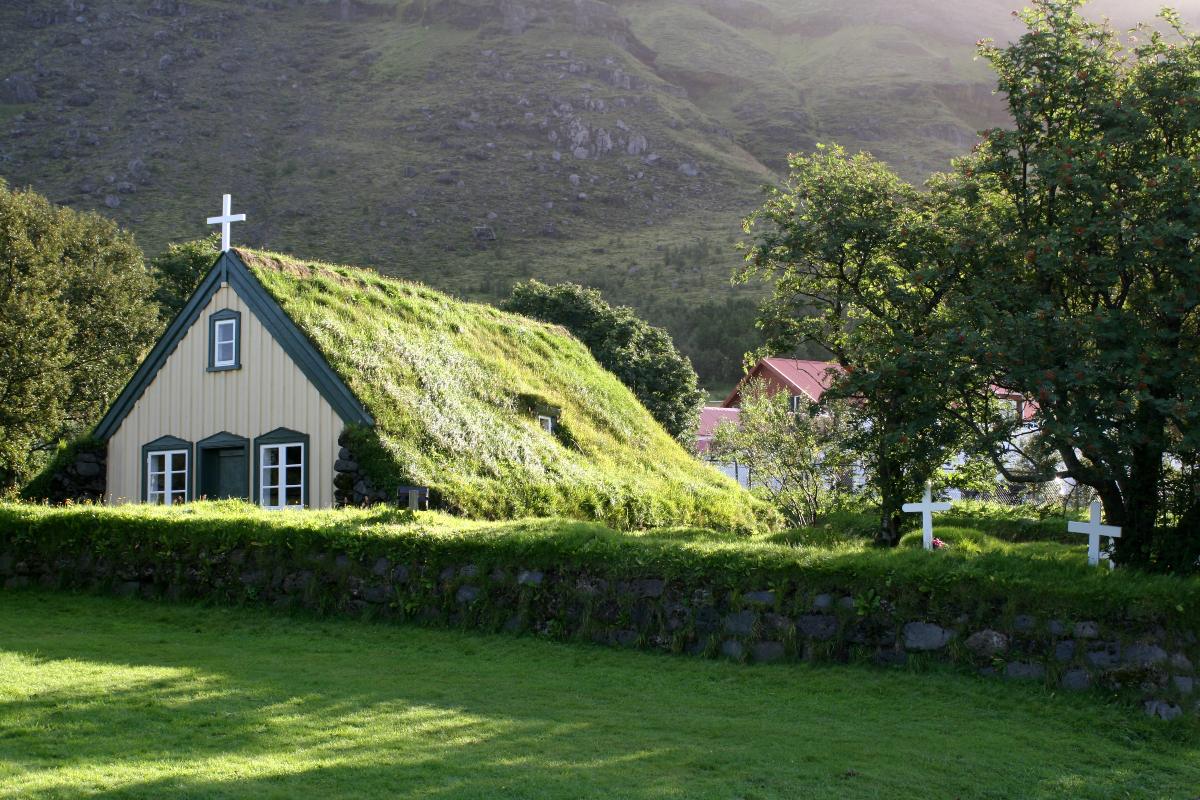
1076,680
88,469
987,643
760,598
1104,655
818,626
1162,709
529,577
1144,655
925,636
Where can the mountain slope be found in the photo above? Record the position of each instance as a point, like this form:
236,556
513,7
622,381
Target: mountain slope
473,143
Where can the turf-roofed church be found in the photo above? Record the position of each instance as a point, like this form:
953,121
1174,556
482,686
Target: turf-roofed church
293,383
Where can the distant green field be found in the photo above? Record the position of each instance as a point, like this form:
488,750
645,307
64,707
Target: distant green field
103,697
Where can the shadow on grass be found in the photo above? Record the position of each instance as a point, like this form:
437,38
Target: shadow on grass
131,699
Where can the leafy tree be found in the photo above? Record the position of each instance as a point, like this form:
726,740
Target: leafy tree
179,270
797,459
75,318
643,357
1086,295
862,265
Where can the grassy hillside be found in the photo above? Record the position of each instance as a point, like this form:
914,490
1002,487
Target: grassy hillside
452,387
614,144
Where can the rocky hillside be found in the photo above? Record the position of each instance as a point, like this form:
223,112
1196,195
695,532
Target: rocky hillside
477,142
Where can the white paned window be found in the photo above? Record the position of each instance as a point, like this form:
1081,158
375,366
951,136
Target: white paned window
547,423
796,403
167,477
225,343
281,482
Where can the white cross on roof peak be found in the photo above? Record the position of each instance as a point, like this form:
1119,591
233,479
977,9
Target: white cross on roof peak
225,219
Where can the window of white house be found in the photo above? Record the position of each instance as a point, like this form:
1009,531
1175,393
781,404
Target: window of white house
167,477
547,423
225,343
281,482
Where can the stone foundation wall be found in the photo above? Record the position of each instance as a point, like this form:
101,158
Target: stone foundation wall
1145,663
81,478
351,486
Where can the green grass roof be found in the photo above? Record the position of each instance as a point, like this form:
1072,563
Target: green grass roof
452,386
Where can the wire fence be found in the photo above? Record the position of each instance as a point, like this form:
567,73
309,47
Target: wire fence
1051,495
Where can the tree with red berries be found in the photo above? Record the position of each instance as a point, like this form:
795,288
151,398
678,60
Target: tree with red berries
1086,298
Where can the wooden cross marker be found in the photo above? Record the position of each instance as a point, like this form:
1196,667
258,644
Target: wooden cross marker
1094,531
224,220
927,507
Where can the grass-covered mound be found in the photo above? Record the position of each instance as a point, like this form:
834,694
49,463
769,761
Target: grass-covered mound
454,387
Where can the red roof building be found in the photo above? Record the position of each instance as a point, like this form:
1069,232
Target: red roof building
710,418
797,377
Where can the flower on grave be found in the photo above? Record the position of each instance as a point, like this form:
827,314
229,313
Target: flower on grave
938,544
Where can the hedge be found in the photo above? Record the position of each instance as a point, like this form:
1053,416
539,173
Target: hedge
1052,579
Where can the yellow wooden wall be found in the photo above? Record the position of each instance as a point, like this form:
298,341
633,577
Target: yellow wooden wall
187,401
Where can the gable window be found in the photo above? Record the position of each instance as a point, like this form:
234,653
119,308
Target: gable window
224,340
166,471
281,477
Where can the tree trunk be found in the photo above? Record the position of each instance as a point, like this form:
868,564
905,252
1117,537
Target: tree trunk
1184,555
1139,490
891,497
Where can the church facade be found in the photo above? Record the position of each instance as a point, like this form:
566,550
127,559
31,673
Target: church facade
233,401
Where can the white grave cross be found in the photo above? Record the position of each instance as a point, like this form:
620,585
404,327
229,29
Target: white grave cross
927,507
224,220
1094,531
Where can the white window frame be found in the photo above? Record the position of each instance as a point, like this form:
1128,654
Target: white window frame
546,422
280,468
166,497
232,326
794,403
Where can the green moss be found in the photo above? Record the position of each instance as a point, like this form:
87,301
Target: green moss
455,389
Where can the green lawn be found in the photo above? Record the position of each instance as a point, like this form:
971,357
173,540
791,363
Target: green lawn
103,697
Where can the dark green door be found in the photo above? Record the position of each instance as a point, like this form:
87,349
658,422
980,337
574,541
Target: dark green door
224,473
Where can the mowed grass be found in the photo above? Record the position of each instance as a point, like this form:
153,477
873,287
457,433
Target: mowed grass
117,698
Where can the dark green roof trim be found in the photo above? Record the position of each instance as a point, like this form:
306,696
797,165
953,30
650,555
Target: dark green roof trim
229,268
